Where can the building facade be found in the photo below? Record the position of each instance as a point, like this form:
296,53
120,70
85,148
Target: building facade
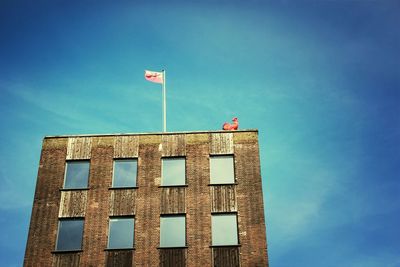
160,199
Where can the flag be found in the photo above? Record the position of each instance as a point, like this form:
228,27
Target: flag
154,76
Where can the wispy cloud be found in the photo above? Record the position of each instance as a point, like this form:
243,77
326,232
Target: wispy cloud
74,109
13,194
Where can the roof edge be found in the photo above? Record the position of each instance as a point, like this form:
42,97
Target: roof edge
155,133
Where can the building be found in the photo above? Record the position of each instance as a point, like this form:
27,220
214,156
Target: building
158,199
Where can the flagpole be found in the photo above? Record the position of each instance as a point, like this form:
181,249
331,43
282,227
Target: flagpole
164,104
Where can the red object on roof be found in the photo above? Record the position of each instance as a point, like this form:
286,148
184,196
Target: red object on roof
234,126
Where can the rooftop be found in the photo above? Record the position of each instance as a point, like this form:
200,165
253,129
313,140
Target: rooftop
154,133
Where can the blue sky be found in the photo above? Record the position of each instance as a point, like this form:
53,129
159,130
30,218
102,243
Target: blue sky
319,79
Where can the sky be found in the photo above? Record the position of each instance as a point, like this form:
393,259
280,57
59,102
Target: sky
320,80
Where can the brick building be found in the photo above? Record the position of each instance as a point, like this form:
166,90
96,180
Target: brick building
159,199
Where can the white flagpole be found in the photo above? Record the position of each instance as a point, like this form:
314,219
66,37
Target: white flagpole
164,104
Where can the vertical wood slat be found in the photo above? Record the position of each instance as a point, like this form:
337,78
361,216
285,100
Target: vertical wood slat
73,204
226,257
122,202
173,257
79,147
66,259
126,146
173,145
221,143
173,200
223,198
119,258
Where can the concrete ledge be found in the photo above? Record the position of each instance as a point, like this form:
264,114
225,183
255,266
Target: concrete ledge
154,133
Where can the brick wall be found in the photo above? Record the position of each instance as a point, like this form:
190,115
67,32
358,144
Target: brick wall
96,219
244,198
198,201
147,232
44,220
251,224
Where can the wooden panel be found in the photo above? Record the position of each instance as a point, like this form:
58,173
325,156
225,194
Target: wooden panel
126,146
226,257
173,145
73,203
122,202
79,147
173,200
221,143
223,198
119,258
175,257
66,259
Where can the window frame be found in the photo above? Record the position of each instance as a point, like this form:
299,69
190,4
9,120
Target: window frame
176,215
60,220
233,214
211,156
162,171
133,232
136,174
66,172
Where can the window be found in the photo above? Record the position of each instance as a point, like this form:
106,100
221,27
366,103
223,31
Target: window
125,171
221,170
173,172
224,229
69,235
76,174
120,234
173,231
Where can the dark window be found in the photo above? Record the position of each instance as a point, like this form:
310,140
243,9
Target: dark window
173,231
121,233
125,171
224,229
173,171
76,174
221,170
69,234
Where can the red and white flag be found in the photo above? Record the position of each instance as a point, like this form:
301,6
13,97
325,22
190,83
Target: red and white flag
154,76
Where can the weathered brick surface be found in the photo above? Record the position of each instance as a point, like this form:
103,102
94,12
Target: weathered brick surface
96,220
146,203
253,251
198,216
44,221
147,223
